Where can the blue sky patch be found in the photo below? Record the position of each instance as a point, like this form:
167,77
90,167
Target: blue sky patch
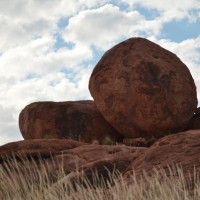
63,22
60,43
32,76
97,54
122,5
70,74
149,14
180,30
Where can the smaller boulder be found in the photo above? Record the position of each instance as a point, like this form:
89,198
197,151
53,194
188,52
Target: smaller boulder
77,120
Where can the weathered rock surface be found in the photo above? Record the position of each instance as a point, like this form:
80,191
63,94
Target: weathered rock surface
77,120
73,156
143,90
43,147
102,160
182,148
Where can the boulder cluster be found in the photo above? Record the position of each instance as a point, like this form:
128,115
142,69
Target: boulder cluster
143,113
140,90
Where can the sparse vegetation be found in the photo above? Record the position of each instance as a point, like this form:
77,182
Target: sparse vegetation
26,180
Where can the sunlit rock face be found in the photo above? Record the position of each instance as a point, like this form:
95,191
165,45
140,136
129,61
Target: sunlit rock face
143,90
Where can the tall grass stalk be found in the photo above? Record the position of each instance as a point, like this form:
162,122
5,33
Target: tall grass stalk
31,180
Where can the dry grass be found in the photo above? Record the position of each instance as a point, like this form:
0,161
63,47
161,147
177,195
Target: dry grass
27,181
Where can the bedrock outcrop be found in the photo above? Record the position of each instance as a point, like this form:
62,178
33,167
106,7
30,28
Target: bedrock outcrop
178,150
77,120
76,158
143,90
71,156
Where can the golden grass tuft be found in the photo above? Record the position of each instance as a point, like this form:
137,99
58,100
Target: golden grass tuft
26,180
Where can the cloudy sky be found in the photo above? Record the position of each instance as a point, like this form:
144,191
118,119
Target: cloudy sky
49,48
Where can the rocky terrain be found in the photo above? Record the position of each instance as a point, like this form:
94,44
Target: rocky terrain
144,115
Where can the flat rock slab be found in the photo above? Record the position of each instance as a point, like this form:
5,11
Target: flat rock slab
38,147
88,157
143,90
72,156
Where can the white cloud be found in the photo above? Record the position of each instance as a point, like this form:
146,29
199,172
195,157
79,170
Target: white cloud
103,26
23,20
50,87
38,57
54,86
170,9
31,69
8,124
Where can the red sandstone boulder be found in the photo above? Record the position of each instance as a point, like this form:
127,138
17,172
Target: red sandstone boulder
78,120
143,90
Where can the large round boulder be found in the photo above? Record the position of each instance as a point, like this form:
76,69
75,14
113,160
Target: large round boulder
77,120
143,90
